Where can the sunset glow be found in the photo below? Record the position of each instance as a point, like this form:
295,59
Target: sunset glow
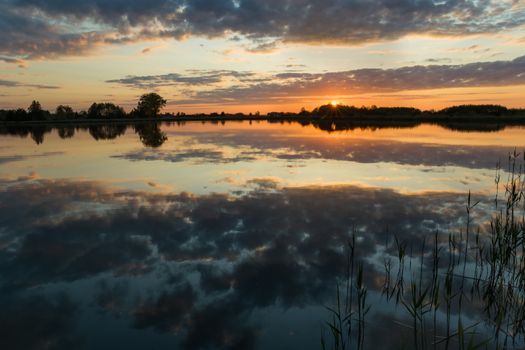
188,53
262,174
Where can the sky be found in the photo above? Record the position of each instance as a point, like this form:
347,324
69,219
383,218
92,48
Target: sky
262,55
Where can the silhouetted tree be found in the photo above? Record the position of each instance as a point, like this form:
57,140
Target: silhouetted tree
64,112
35,111
331,111
37,133
107,131
66,132
16,115
149,105
35,107
303,112
15,130
150,134
105,111
493,110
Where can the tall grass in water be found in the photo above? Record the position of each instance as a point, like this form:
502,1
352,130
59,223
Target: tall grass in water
474,269
347,324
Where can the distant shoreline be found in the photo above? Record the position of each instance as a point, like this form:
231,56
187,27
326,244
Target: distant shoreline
426,119
328,117
152,135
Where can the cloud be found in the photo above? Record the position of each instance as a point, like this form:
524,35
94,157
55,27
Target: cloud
20,63
37,28
39,321
29,33
17,158
62,238
250,87
199,156
111,298
253,145
192,78
166,312
280,146
264,47
14,84
438,60
196,268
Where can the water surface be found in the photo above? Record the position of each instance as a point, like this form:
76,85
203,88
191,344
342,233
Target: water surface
209,235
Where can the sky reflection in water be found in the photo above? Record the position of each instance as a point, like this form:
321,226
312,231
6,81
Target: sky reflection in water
223,236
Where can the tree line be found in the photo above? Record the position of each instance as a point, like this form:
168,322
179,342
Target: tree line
148,106
331,111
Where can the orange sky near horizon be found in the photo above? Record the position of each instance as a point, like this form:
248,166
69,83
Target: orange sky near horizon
75,55
509,96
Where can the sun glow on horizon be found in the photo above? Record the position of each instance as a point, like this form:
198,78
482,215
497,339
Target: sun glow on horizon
334,103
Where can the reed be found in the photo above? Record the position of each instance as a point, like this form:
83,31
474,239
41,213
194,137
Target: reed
475,268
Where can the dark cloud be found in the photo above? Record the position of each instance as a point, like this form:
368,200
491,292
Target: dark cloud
37,28
252,145
276,145
38,322
199,268
192,78
17,158
29,33
377,80
199,156
167,312
293,65
68,241
13,84
111,297
222,325
263,47
17,61
438,60
248,87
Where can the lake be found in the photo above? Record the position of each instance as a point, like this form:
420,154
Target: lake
226,235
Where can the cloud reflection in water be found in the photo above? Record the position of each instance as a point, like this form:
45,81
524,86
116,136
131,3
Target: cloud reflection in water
197,267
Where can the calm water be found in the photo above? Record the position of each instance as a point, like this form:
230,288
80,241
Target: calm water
217,236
